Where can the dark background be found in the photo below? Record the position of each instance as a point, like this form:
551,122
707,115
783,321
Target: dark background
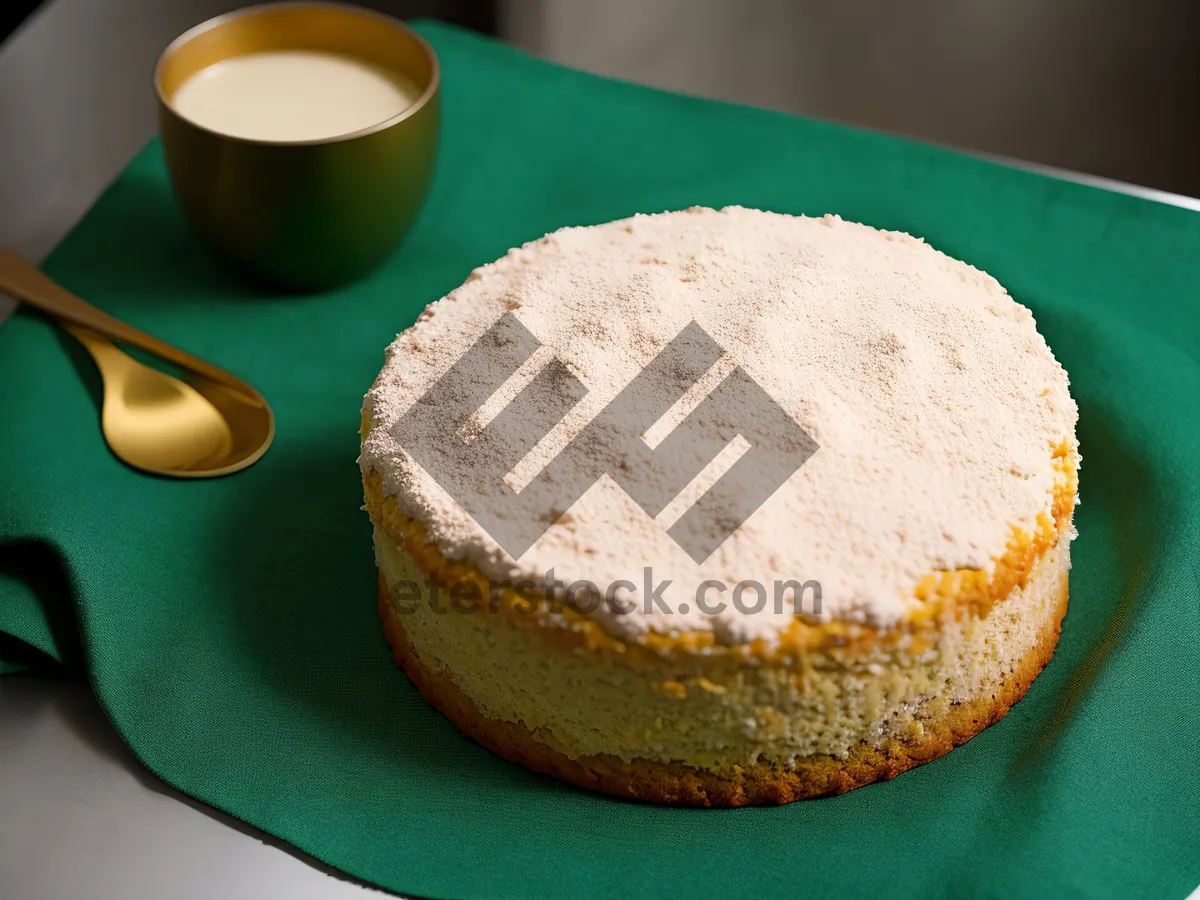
12,13
1105,87
473,14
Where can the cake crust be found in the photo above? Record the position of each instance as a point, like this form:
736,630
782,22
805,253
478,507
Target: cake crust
762,784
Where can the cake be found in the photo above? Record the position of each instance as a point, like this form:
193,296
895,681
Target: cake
852,561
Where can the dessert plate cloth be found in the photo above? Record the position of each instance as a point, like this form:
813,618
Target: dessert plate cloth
228,627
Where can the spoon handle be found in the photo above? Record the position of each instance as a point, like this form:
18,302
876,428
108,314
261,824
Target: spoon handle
23,280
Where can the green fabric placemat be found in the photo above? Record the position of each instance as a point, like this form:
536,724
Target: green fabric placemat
228,627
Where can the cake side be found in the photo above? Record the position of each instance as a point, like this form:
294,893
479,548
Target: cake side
626,733
582,693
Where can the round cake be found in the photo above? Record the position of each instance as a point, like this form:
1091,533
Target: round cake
722,507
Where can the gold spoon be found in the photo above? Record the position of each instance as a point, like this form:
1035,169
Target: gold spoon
213,424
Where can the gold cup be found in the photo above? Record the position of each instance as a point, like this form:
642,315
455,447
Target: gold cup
314,214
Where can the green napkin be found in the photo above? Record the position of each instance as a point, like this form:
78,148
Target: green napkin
228,627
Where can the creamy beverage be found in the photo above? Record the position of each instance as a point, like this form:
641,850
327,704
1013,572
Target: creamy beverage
293,95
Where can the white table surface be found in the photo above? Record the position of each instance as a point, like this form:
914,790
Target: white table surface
79,817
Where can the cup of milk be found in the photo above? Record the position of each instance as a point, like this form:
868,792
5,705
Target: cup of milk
300,137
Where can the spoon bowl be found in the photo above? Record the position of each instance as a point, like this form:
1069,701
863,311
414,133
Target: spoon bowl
207,425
